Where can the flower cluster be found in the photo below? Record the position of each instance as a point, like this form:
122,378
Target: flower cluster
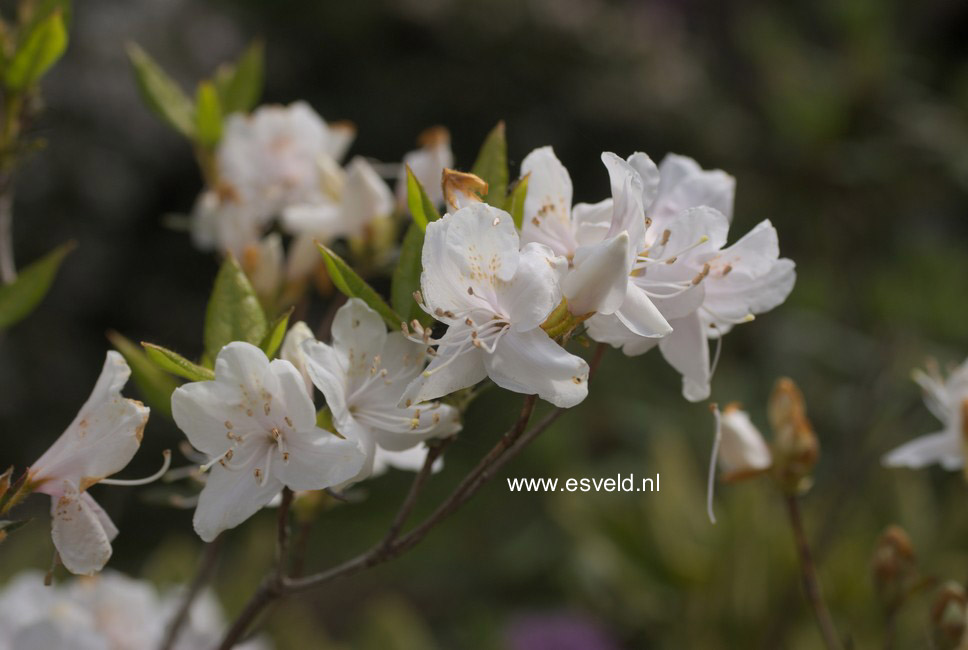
108,611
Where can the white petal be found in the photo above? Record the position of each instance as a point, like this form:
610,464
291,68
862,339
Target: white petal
425,420
440,379
359,333
592,221
600,276
103,437
365,197
229,498
609,329
110,530
483,243
693,226
410,460
531,363
81,541
293,396
649,174
687,350
327,371
943,447
742,447
684,184
547,207
640,315
318,459
533,292
627,213
303,257
322,221
292,351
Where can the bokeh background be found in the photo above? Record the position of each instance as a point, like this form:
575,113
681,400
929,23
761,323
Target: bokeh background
846,123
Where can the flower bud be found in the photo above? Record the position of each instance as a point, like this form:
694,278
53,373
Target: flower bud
948,616
894,567
742,452
461,188
795,444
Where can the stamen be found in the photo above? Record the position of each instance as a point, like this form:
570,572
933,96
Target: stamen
166,463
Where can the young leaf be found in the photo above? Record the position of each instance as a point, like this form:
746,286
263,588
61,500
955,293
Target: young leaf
175,363
155,386
277,332
44,43
421,207
353,286
234,312
406,276
240,86
208,115
161,93
24,294
492,166
515,201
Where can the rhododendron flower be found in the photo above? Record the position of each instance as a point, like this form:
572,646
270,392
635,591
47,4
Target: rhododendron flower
493,298
363,375
947,399
601,242
257,424
226,223
742,450
100,442
702,288
427,164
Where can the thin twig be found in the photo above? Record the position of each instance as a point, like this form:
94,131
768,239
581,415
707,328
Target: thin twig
206,568
811,585
433,453
282,533
8,269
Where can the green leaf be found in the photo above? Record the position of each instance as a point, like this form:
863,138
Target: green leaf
353,286
324,419
492,166
240,86
234,312
176,364
155,386
406,276
161,93
42,46
208,115
515,201
421,207
277,332
20,297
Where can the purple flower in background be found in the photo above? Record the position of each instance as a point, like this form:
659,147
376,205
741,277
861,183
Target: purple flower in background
558,631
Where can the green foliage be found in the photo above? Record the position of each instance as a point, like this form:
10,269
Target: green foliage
176,364
421,207
514,204
492,166
22,296
40,47
277,333
161,93
240,86
234,312
353,286
155,386
406,276
208,115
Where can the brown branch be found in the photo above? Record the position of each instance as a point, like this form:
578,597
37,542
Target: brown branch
206,568
433,453
282,533
811,585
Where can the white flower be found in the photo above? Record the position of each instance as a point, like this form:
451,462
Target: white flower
702,288
408,460
358,197
742,450
257,424
493,299
601,242
273,157
363,375
947,399
100,442
427,163
226,223
108,611
292,351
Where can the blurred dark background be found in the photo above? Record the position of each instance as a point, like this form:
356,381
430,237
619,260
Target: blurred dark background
846,124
